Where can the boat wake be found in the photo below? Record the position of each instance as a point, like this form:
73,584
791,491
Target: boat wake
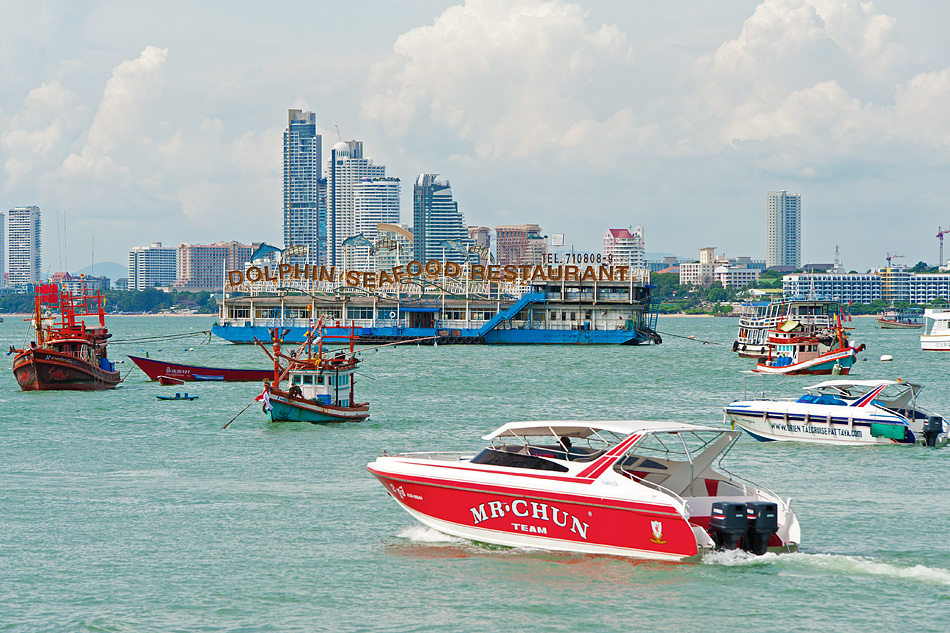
834,564
423,534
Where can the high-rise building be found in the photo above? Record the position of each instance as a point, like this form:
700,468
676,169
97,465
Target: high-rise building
784,243
438,227
151,266
520,244
347,170
304,188
375,201
23,230
625,247
3,244
202,266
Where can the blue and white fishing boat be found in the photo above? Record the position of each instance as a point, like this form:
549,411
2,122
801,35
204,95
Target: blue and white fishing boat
320,387
846,412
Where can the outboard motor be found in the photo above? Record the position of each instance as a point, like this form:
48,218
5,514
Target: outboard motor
727,524
932,428
762,523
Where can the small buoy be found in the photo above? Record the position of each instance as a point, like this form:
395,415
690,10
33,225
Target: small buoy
887,357
691,336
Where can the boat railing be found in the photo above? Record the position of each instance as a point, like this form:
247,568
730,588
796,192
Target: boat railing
642,480
457,456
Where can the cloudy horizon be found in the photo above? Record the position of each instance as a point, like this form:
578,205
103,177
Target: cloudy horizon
137,124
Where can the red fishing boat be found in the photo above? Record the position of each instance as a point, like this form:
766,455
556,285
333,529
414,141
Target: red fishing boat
162,371
67,354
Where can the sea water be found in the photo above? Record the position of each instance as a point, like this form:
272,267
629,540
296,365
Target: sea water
120,512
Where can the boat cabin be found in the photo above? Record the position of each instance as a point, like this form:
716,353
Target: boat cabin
669,457
322,385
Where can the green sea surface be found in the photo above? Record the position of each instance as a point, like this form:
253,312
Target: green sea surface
120,512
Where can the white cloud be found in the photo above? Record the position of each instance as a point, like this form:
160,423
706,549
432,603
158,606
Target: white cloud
124,106
511,78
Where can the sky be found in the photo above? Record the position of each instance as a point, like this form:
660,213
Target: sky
130,123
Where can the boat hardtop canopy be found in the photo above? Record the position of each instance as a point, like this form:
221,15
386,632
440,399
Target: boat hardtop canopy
844,386
587,428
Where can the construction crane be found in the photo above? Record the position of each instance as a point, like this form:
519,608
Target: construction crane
940,233
891,256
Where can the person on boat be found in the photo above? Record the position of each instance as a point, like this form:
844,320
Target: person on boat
565,443
295,391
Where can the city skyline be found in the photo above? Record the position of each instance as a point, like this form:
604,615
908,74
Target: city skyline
146,124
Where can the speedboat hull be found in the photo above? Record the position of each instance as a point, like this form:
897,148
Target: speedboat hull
544,519
774,426
44,369
844,413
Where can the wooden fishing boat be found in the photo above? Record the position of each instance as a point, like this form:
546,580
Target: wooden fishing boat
66,354
321,386
797,351
901,319
162,370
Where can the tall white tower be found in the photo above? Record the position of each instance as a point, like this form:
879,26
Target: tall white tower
23,230
346,171
375,201
784,240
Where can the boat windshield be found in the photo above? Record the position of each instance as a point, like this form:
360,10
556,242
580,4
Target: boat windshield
568,443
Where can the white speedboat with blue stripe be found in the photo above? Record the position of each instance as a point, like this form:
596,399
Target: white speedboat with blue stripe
846,412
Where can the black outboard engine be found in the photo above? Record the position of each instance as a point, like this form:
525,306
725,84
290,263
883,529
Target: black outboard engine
762,523
727,524
932,428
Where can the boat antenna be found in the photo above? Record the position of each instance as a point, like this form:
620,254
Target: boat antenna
59,242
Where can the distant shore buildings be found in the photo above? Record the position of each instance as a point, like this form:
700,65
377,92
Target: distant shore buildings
735,272
886,284
520,244
152,266
623,246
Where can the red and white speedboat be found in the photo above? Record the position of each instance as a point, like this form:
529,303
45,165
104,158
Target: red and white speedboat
631,488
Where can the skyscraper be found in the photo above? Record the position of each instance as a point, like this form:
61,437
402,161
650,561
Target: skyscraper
375,201
3,244
304,202
24,245
436,219
351,176
784,247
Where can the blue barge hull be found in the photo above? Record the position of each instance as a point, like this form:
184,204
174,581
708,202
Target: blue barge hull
296,335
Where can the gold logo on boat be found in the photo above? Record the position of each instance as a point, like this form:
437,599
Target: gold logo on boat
657,527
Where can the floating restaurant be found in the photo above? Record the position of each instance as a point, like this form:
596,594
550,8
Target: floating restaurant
588,304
